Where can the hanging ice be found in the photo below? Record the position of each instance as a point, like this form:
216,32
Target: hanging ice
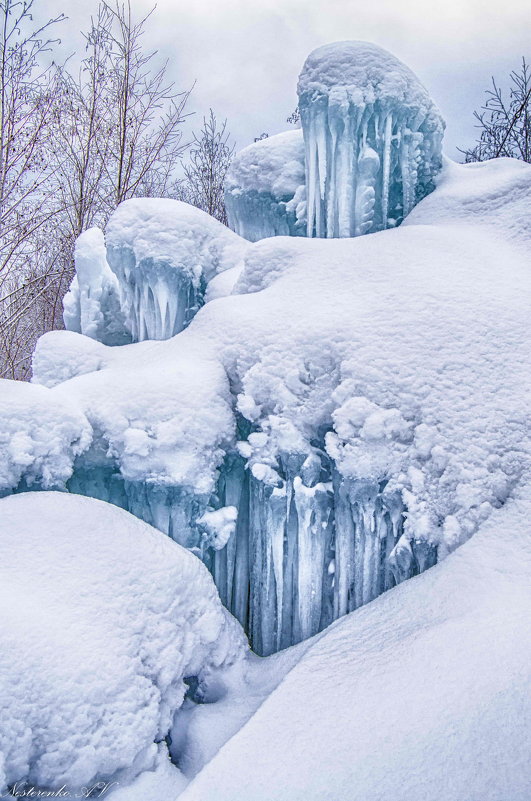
164,253
372,137
265,188
152,277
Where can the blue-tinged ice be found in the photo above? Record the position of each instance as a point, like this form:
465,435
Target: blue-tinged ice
373,139
92,305
164,253
265,193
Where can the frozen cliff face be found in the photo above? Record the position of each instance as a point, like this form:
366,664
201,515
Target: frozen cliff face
372,137
265,192
362,403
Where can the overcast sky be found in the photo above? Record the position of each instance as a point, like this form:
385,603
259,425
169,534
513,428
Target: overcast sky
245,55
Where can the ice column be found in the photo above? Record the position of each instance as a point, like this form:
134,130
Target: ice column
373,139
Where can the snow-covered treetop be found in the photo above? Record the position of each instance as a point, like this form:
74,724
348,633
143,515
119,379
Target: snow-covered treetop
367,71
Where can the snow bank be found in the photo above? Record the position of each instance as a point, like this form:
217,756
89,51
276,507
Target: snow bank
102,619
423,694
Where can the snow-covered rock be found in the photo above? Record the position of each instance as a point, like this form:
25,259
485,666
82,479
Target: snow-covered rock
102,620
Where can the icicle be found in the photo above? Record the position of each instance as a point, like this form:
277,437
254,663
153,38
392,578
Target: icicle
388,131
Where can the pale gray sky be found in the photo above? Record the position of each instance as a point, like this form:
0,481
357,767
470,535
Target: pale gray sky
245,55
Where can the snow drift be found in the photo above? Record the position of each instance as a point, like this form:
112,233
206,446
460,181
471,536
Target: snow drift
423,694
103,618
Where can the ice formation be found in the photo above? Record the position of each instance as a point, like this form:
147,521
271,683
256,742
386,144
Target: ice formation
370,149
161,255
405,698
92,305
318,422
358,446
103,619
265,193
373,139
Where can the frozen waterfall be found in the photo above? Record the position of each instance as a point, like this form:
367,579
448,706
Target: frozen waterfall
289,559
294,541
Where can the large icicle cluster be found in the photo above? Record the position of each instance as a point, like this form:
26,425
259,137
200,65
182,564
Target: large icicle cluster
151,278
307,549
373,139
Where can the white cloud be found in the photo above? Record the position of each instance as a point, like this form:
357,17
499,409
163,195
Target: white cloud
245,55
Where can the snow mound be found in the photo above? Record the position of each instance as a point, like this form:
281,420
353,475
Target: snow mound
102,620
274,165
164,252
40,437
423,694
265,192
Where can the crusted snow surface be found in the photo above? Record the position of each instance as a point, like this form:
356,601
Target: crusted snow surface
362,402
265,188
103,618
423,694
372,137
164,252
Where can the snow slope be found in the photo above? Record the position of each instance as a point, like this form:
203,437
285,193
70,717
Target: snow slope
423,694
102,618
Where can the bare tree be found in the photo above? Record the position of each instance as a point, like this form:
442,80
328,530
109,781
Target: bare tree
27,202
211,155
88,142
505,123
